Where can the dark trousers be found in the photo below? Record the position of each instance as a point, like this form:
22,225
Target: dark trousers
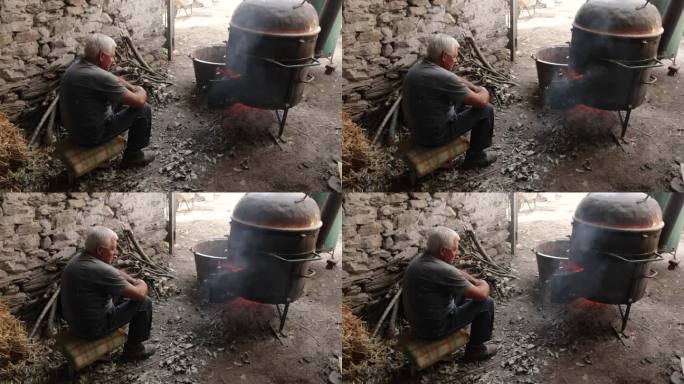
480,123
137,121
137,313
480,316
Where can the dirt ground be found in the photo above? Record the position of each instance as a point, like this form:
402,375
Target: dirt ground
574,343
198,342
199,149
553,151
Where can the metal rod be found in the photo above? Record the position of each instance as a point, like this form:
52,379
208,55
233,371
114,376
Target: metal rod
625,123
625,318
282,122
282,319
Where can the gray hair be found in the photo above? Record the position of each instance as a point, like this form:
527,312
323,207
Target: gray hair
99,236
441,237
97,43
440,43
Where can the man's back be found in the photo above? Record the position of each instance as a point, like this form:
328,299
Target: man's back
429,94
86,96
430,287
88,285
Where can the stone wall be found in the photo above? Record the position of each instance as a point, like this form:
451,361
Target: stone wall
39,231
383,232
37,36
381,37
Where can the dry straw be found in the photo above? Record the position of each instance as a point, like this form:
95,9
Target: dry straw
363,359
362,164
13,152
13,340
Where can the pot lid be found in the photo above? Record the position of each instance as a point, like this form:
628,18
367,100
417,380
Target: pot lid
622,211
627,18
278,211
276,17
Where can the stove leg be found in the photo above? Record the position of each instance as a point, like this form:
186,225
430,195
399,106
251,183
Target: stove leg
624,121
281,121
624,316
283,317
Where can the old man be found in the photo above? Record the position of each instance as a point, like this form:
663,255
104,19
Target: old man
439,299
438,105
97,298
96,106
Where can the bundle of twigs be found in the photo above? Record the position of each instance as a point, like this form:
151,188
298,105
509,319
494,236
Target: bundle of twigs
133,67
133,259
13,152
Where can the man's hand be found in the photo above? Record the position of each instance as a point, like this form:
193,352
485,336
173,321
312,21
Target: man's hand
137,288
135,96
478,97
479,291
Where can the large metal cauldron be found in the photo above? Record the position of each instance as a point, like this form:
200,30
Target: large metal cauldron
614,239
614,45
272,241
269,51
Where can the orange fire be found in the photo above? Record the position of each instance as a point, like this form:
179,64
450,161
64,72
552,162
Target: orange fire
236,110
574,75
241,303
585,116
230,267
571,266
228,74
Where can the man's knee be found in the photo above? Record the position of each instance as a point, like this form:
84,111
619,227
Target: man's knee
147,304
489,111
147,110
489,304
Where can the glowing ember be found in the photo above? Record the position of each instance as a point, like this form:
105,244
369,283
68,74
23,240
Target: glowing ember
230,267
585,116
237,109
573,74
242,317
228,74
571,266
242,303
588,305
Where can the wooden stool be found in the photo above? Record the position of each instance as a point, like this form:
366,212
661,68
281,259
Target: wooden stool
81,353
425,160
424,353
80,160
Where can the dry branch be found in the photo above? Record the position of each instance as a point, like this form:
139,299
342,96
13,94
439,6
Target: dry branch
44,311
384,314
389,114
129,42
47,114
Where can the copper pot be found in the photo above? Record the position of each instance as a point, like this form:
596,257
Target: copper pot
614,239
624,30
283,223
614,45
280,30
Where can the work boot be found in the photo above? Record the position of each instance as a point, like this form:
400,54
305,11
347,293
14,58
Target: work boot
478,159
137,352
479,352
137,158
